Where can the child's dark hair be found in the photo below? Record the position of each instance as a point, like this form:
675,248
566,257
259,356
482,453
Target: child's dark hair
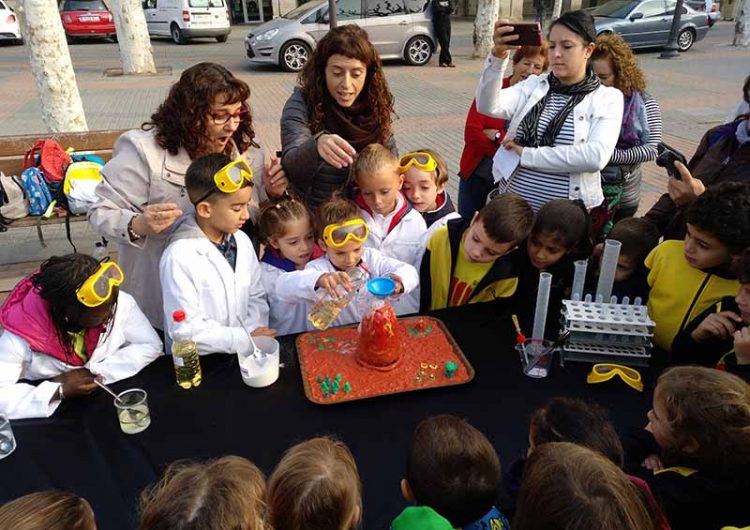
57,281
453,469
576,421
335,210
315,486
275,213
507,218
372,158
568,486
567,221
199,177
724,212
637,236
712,408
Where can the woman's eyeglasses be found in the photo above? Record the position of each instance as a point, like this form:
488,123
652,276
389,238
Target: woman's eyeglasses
222,118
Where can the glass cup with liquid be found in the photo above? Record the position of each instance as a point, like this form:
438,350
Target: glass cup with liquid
132,411
7,440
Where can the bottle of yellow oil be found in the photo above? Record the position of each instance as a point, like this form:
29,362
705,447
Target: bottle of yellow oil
187,362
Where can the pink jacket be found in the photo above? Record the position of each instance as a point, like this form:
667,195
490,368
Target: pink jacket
27,315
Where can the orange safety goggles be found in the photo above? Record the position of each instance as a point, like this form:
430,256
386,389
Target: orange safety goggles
422,160
98,287
337,235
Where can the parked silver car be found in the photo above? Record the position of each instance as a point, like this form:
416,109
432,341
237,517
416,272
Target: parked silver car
646,23
399,29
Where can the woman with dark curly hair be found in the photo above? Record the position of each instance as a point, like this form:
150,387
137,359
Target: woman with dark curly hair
143,192
616,66
342,105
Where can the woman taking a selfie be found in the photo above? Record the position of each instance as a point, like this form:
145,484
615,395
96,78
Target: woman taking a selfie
563,126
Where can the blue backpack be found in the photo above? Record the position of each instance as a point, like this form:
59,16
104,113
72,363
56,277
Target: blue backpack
36,190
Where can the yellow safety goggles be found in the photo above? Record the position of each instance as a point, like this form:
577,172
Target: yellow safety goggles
422,160
231,177
98,287
338,235
605,371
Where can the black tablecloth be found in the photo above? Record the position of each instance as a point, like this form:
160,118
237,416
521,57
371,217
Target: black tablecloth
82,448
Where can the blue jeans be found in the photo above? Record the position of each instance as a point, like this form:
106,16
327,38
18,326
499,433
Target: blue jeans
473,191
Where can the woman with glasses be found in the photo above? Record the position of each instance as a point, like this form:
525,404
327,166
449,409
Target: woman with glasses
143,192
66,325
342,105
562,126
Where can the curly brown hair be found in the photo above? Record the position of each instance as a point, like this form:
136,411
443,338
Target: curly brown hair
353,42
180,121
628,73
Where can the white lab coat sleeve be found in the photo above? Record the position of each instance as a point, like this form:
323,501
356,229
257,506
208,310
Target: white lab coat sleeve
587,155
180,292
383,265
22,400
494,100
299,286
141,344
257,309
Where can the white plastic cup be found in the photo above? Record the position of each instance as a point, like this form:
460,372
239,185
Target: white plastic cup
7,440
264,372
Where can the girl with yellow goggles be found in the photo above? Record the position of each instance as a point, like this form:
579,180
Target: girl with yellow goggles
422,160
97,288
231,178
339,234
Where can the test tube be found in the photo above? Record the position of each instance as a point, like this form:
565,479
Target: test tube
579,279
608,269
542,301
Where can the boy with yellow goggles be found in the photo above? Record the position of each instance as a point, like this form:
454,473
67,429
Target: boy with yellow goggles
231,178
339,234
422,160
97,288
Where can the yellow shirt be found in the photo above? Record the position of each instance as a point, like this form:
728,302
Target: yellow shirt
466,277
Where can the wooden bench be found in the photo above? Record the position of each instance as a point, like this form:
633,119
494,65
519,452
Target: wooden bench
13,148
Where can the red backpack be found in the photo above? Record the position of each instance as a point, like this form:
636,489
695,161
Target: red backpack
50,158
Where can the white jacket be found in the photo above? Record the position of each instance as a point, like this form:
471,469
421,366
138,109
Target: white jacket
597,121
142,173
130,345
299,286
285,317
197,278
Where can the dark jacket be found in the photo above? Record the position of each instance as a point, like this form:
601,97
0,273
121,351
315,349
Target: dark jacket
441,211
311,177
719,158
691,498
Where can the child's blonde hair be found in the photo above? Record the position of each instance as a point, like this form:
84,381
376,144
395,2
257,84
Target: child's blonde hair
315,487
222,494
274,214
711,407
335,210
371,159
50,510
570,486
440,174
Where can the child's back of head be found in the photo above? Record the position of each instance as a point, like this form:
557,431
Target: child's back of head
576,421
506,218
453,469
570,487
222,494
723,211
47,510
708,417
315,486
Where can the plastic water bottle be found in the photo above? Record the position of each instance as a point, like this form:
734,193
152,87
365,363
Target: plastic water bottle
187,363
328,308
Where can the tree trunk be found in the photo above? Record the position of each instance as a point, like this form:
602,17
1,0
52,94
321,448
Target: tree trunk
742,25
484,25
556,9
132,37
62,109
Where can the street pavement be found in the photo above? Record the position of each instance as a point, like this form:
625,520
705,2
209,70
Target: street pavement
696,91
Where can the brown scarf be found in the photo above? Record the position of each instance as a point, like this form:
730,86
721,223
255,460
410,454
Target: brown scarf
357,124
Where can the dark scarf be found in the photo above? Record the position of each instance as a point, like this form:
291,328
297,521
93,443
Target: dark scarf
527,131
357,124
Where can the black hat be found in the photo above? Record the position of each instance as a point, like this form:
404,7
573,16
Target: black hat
579,22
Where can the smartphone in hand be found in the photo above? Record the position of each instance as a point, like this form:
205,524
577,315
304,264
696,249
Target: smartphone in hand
667,157
529,33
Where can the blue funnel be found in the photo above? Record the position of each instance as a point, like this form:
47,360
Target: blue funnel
381,286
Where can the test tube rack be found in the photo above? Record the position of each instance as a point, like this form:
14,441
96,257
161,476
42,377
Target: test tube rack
607,332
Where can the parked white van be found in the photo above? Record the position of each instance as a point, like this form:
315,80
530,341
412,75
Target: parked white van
187,19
